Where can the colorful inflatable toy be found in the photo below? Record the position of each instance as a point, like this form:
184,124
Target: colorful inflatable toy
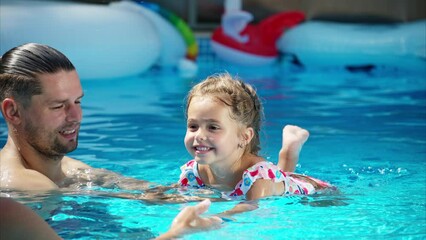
180,25
239,42
179,46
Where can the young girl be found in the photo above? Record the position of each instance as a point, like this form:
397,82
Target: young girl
223,122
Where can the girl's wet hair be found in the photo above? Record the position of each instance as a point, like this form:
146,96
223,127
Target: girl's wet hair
240,97
20,67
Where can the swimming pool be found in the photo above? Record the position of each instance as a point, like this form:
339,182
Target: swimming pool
368,137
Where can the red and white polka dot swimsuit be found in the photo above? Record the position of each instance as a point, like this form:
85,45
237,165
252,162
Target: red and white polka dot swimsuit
294,183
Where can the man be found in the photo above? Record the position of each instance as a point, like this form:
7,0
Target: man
40,94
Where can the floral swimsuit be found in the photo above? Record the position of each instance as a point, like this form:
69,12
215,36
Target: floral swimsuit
294,183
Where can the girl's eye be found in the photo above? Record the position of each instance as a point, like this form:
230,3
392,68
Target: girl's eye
214,127
192,127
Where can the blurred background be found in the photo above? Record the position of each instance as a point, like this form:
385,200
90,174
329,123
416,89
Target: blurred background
206,14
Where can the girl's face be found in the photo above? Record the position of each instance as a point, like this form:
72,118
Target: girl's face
212,136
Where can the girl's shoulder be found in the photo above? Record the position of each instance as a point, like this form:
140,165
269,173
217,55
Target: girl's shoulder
264,170
263,165
253,161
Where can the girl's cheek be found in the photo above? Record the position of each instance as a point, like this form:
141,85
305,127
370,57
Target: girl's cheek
188,137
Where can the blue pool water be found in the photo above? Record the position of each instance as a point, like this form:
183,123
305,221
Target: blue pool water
368,137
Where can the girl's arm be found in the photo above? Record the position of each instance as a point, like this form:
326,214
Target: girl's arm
239,208
260,189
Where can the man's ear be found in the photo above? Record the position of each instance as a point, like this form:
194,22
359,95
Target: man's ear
10,110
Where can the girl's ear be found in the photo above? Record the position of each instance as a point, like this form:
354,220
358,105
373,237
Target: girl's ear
248,135
10,110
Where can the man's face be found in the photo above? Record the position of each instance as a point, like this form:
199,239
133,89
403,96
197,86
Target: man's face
51,123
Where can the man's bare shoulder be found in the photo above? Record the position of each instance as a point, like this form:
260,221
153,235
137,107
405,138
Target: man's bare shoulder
73,164
14,176
24,180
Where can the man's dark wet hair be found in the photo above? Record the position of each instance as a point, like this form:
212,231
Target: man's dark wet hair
20,67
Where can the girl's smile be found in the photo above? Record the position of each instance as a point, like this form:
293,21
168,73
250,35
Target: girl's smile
202,149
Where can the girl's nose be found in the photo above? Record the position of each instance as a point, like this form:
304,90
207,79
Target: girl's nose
200,136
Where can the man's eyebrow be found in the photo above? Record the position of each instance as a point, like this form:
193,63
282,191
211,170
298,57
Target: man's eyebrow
64,100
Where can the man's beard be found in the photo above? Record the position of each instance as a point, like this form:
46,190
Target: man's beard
48,143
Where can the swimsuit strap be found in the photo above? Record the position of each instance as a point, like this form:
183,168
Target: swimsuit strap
189,175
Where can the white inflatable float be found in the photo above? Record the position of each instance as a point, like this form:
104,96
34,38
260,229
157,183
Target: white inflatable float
332,44
103,41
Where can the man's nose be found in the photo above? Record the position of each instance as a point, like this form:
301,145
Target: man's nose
74,113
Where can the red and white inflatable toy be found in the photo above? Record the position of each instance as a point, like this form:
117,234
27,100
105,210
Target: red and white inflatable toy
242,43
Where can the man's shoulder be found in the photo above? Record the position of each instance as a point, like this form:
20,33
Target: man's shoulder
72,164
25,179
